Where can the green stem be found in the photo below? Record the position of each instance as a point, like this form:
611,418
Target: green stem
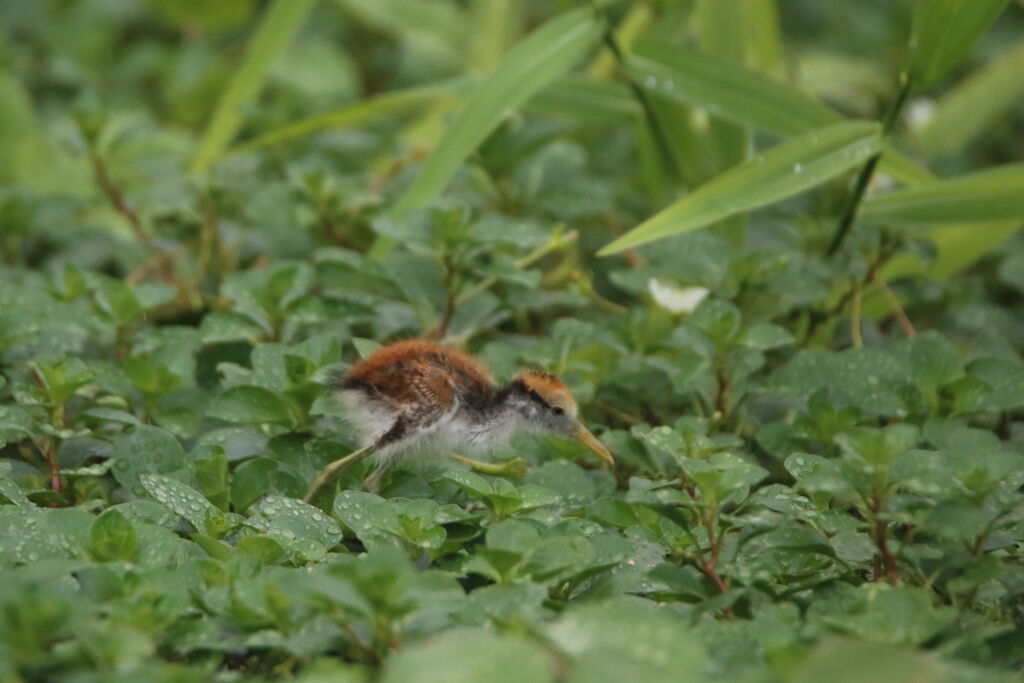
663,145
866,173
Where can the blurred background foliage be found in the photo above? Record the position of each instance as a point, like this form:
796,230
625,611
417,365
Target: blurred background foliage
773,247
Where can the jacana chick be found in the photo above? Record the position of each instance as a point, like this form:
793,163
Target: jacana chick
414,397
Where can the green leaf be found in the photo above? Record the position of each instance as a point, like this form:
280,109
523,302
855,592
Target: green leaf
251,404
818,475
228,326
878,447
943,32
765,336
265,549
30,534
280,21
9,488
250,481
295,524
958,247
897,615
933,360
117,300
784,170
61,378
183,500
992,195
19,124
145,449
373,520
555,559
617,641
365,347
211,476
543,56
470,656
1006,380
613,511
470,482
728,90
719,320
513,535
113,537
842,660
368,110
862,378
974,105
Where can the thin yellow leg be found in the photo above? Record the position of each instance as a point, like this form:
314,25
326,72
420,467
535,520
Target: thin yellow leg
333,470
516,467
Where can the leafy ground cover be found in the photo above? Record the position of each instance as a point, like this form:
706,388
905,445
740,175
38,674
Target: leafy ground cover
772,248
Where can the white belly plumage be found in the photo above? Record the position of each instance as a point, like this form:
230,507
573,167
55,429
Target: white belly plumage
372,419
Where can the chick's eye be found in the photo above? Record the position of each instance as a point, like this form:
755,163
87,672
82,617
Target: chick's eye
558,411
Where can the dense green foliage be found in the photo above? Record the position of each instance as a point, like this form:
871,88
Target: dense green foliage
209,208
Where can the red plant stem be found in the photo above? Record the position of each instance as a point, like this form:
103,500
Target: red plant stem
51,459
116,197
886,560
724,385
708,567
45,445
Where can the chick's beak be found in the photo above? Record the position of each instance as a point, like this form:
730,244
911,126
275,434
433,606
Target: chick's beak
583,435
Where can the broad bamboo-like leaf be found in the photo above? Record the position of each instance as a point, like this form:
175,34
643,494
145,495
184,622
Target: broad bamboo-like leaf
728,90
349,116
743,96
725,28
633,24
434,29
581,98
783,171
497,24
280,21
992,195
17,124
967,110
957,246
543,56
942,34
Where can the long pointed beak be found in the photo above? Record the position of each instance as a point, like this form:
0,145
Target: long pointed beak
584,436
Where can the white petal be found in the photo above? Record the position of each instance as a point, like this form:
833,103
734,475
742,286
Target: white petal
675,299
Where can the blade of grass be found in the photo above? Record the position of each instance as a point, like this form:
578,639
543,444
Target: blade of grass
764,36
743,96
957,246
968,109
722,32
635,22
280,21
942,33
429,28
579,98
783,171
533,63
992,195
352,115
544,56
728,90
496,25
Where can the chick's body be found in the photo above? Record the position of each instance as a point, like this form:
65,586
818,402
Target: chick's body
414,396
